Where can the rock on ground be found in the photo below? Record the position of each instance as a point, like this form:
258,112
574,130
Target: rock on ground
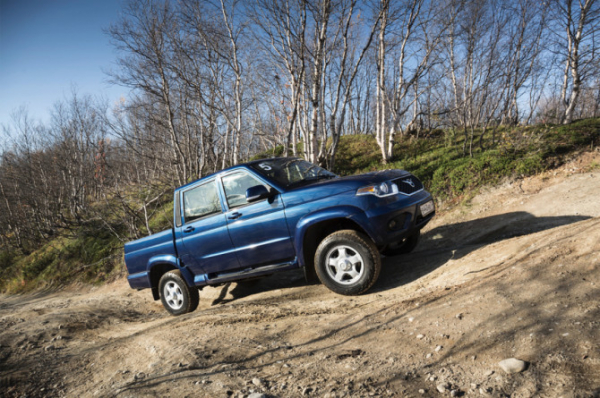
513,365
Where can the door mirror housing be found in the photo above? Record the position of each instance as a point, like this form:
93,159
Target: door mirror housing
257,192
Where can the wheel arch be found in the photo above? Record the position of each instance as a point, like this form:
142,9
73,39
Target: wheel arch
160,265
312,229
156,272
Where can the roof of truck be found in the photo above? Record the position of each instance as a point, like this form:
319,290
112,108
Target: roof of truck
241,165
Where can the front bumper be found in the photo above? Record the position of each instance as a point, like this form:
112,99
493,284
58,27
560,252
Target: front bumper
405,212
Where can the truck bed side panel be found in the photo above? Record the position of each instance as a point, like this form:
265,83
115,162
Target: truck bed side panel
139,252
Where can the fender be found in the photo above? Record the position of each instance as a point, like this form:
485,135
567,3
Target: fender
174,261
349,212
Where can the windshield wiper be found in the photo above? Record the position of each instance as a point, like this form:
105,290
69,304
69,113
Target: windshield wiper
319,176
311,179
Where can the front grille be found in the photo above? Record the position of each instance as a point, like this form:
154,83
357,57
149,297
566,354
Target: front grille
408,185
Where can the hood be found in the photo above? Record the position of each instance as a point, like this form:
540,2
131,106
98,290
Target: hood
324,188
357,181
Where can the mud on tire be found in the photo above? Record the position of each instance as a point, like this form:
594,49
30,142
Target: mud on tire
347,262
176,296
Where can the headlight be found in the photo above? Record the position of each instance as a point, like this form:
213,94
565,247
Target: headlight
383,189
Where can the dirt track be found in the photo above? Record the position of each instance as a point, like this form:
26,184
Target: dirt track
514,274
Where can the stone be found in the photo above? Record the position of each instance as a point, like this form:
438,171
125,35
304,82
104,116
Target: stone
420,336
512,365
421,391
49,348
438,348
257,382
442,387
306,391
454,393
257,395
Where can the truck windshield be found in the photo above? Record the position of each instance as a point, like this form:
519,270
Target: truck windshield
289,173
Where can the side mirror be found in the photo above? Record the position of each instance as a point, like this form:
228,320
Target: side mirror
257,192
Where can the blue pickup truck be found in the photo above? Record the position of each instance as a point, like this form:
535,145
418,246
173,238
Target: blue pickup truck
277,214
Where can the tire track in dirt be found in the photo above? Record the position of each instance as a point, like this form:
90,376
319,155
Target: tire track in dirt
513,273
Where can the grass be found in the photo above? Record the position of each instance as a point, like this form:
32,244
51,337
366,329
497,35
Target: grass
439,162
89,258
93,255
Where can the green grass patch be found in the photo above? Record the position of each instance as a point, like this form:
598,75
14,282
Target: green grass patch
357,154
88,257
438,158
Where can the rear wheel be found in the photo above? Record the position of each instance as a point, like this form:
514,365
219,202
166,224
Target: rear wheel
176,296
347,262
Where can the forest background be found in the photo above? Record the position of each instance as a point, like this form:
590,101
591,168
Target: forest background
463,93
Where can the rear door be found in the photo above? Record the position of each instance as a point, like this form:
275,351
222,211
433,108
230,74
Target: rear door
258,230
203,241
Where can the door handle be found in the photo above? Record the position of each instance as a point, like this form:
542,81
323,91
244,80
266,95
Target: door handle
189,229
234,215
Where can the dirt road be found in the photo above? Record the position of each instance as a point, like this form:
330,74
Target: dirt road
514,274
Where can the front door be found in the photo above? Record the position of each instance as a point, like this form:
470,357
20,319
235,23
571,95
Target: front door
204,244
258,230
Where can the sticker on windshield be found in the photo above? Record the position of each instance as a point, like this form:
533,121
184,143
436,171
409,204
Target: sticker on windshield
264,166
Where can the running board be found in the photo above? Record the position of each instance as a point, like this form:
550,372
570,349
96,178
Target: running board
250,272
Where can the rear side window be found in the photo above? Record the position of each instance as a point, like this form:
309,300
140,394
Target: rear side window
235,186
201,201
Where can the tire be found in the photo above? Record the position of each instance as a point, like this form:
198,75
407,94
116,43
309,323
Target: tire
347,262
176,296
405,246
310,275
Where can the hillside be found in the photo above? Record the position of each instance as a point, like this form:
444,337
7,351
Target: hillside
513,272
92,253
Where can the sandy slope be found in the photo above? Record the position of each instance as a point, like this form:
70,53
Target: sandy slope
514,274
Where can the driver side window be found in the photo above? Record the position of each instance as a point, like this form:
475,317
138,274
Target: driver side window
235,186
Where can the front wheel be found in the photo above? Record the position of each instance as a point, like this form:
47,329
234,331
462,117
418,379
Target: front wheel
347,262
176,296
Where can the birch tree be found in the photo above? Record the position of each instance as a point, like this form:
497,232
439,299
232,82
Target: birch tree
580,22
406,32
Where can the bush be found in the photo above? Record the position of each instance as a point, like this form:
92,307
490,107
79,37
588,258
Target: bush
7,259
37,264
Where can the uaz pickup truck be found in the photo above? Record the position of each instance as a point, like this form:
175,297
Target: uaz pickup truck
272,215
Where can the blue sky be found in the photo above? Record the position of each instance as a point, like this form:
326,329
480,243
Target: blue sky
47,47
